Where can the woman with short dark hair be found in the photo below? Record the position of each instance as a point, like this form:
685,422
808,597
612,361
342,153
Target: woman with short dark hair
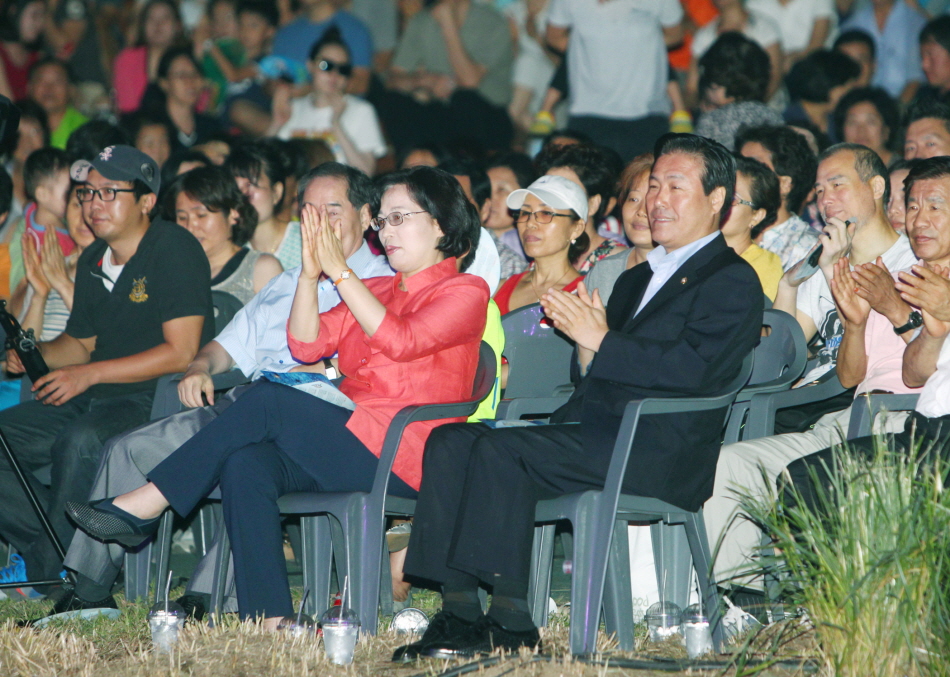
868,116
401,340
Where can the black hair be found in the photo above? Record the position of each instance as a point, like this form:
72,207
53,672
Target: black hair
739,65
856,35
359,187
927,108
937,30
597,168
10,23
176,160
266,9
439,152
763,186
42,165
900,163
929,168
567,133
519,164
30,109
877,97
90,138
867,164
791,157
440,194
331,36
813,78
144,12
168,58
134,123
45,61
719,165
6,192
253,159
216,189
481,185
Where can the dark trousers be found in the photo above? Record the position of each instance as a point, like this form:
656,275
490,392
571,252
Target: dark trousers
811,478
630,138
475,511
70,437
467,117
273,441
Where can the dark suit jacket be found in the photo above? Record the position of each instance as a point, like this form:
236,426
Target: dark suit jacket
689,340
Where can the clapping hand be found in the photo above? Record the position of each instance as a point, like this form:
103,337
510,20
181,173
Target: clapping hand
34,267
330,244
309,230
582,317
853,307
928,288
875,284
54,263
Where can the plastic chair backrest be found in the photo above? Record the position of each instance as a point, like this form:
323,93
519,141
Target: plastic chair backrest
539,358
226,307
782,352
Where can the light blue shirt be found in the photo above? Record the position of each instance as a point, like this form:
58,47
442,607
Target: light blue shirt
664,265
897,47
256,339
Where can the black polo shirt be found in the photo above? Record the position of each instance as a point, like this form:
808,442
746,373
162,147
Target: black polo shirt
167,277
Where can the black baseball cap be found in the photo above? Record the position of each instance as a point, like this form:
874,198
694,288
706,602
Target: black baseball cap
120,163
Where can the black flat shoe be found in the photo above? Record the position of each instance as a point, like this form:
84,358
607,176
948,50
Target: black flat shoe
443,626
103,520
483,637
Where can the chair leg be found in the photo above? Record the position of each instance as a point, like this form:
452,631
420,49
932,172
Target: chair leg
589,570
138,565
618,598
539,584
364,545
220,577
671,559
772,579
702,557
385,585
316,551
163,547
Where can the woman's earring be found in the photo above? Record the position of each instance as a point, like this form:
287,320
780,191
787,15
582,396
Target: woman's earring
574,240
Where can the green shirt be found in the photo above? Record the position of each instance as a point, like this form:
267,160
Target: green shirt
495,337
72,119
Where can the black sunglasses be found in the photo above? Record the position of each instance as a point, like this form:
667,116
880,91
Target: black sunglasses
344,69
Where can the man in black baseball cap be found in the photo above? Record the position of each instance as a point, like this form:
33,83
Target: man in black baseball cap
141,309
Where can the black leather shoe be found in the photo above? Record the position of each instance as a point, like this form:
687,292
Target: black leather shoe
483,637
105,521
443,626
195,606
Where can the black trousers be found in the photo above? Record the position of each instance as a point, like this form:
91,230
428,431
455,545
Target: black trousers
475,511
630,138
70,437
273,441
812,477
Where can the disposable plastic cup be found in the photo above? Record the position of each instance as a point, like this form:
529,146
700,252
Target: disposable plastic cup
696,632
339,640
663,620
164,625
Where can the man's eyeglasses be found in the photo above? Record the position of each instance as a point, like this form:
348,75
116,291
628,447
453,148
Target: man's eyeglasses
542,216
105,194
344,69
736,200
394,219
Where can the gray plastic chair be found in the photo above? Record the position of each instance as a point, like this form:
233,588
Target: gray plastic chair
760,421
539,358
355,533
866,407
601,574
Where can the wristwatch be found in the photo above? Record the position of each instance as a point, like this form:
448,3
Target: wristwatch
330,369
914,321
344,275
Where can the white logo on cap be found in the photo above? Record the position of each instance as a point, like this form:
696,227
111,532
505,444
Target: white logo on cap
106,154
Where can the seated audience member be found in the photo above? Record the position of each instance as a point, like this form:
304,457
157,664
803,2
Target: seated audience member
216,147
46,182
895,26
478,189
734,17
150,276
621,106
347,123
21,38
634,183
935,59
535,63
261,174
897,206
786,153
381,17
151,135
816,84
51,274
474,474
927,130
179,82
208,204
32,134
868,117
51,86
88,140
451,78
136,66
593,169
865,347
754,207
423,155
859,46
411,338
733,89
805,24
925,363
507,173
254,341
294,40
551,215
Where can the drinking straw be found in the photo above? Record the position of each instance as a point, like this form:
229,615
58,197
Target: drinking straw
168,587
306,591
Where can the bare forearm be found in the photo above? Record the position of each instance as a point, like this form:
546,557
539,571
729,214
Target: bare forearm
365,162
64,351
212,359
304,322
65,289
35,313
852,364
467,73
165,358
405,82
920,359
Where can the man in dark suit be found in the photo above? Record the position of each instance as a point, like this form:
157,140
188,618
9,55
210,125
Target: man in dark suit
679,325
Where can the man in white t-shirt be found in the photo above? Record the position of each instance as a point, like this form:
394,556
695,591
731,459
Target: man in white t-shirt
617,67
805,24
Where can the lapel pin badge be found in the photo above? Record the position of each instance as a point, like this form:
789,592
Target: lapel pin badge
683,281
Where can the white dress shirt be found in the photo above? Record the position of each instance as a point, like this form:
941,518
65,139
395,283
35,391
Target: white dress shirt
664,265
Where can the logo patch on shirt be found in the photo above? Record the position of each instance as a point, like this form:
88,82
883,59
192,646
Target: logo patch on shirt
138,295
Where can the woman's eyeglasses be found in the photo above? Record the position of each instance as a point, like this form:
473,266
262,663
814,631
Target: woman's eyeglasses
327,66
394,219
736,200
542,216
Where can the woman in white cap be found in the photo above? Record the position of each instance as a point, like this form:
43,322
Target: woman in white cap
551,215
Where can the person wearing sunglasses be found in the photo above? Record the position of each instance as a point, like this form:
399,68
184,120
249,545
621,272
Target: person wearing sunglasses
551,215
348,124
